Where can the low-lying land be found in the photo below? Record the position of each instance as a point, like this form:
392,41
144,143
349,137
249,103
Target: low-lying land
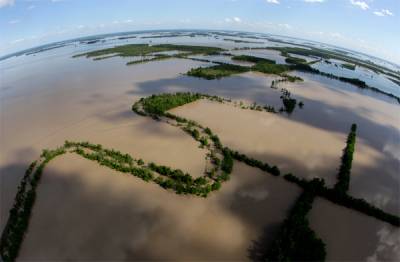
327,54
349,66
144,49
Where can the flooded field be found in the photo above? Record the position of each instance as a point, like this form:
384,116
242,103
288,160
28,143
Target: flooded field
137,220
50,97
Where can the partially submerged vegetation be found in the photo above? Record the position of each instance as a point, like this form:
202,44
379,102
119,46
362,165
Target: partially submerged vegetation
343,183
289,103
145,59
262,65
217,71
253,59
242,41
328,54
18,220
296,241
295,60
144,49
220,70
354,81
349,66
346,200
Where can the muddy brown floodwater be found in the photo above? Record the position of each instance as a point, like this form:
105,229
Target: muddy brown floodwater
87,212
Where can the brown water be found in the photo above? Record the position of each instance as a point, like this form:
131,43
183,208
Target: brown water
111,216
48,99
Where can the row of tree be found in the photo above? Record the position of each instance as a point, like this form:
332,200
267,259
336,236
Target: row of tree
273,170
174,179
345,200
354,81
296,241
18,221
342,186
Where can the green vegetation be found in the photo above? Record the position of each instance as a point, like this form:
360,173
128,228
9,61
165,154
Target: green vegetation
145,60
144,49
158,104
227,161
242,41
168,178
267,68
217,71
342,186
295,60
253,59
126,37
349,66
296,241
274,170
262,65
18,221
354,81
337,197
327,54
288,102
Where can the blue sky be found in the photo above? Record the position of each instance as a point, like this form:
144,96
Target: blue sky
370,26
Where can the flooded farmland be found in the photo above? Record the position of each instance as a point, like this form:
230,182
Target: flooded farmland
50,97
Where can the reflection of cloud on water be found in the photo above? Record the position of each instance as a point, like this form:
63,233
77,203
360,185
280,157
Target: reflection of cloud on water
381,200
392,149
388,247
254,194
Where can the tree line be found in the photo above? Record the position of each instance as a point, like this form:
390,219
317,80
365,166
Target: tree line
342,186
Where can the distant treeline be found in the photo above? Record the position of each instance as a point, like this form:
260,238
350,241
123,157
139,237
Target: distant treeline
327,54
354,81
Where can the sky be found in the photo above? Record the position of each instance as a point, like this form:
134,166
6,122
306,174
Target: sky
369,26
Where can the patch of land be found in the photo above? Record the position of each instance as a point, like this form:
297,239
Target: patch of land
144,49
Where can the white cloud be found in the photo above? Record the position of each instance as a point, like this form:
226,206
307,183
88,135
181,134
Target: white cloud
286,26
6,3
185,21
272,1
233,20
31,7
17,41
337,35
314,1
237,19
383,12
16,21
361,4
